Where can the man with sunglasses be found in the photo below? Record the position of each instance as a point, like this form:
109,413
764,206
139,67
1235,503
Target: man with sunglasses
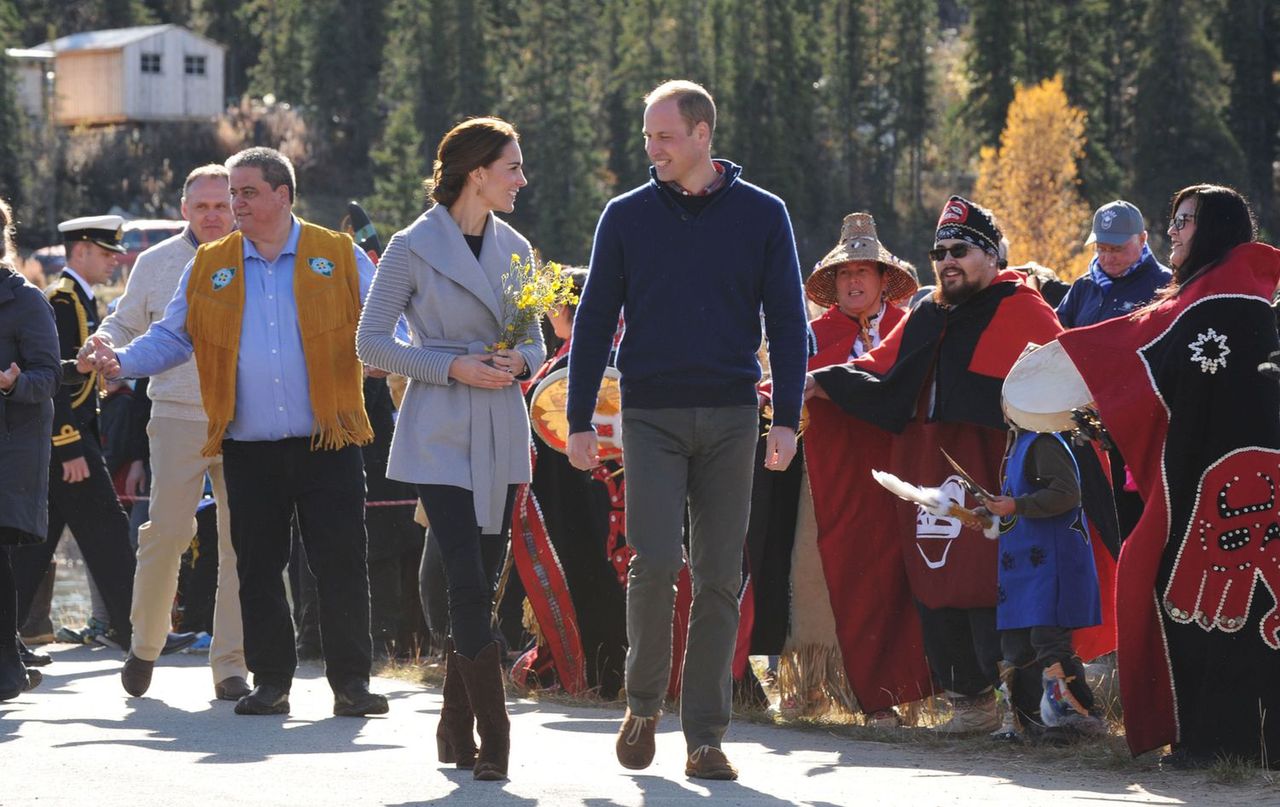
934,382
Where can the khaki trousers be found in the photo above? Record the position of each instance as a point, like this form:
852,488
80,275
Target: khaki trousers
177,483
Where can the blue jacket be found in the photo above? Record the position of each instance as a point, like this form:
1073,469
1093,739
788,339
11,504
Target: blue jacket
1046,575
692,288
1089,302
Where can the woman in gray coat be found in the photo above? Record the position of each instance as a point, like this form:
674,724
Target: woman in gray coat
462,436
29,374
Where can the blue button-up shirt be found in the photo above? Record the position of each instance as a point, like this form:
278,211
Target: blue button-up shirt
273,395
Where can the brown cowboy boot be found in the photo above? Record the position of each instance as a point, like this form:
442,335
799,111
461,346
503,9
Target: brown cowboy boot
455,740
483,679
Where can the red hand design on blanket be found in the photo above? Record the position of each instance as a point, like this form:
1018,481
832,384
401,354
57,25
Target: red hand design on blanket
1233,539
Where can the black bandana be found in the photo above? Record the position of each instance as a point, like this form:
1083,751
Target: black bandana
966,221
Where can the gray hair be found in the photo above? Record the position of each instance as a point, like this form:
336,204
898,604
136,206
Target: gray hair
210,170
276,168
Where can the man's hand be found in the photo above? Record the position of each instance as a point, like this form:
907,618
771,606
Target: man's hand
779,448
76,470
92,344
10,377
373,372
510,360
475,371
812,389
103,359
87,356
135,482
584,450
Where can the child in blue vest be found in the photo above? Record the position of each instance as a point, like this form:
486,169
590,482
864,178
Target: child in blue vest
1048,586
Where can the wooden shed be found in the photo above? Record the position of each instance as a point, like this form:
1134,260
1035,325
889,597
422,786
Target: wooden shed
146,73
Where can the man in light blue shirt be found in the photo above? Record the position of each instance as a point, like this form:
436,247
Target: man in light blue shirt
282,457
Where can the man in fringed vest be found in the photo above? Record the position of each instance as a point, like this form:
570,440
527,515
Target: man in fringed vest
270,312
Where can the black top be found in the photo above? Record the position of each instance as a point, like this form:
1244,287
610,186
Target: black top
693,204
475,242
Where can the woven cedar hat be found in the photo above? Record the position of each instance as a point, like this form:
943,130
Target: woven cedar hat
858,242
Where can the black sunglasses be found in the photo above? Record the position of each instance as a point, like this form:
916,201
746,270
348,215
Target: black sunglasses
956,251
1180,221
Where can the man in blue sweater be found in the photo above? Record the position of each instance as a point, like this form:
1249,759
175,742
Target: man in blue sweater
1123,276
692,259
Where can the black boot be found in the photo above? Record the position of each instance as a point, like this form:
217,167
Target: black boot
482,677
455,738
13,674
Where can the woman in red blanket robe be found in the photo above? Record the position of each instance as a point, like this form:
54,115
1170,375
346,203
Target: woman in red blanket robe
861,284
1177,386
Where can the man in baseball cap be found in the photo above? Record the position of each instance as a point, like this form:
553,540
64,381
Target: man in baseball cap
105,231
1123,276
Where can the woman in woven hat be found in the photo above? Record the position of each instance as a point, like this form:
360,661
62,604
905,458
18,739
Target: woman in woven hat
852,645
862,281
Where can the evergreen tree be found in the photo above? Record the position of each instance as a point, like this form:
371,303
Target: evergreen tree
11,123
910,83
844,98
1095,36
220,21
991,68
340,54
1249,37
278,72
398,173
1180,133
639,52
401,160
558,99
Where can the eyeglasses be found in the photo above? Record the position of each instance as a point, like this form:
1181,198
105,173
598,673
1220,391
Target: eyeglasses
1180,221
955,250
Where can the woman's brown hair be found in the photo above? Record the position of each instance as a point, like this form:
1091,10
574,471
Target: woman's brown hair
1224,221
470,145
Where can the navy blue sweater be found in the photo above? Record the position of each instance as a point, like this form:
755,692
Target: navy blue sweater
692,289
1088,302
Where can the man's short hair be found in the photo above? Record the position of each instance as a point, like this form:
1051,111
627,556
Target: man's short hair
275,167
694,102
210,170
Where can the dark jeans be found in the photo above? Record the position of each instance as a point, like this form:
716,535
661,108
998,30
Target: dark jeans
963,647
267,483
471,562
433,592
101,529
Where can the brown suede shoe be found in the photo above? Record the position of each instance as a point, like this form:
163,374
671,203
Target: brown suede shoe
135,675
709,762
636,743
231,688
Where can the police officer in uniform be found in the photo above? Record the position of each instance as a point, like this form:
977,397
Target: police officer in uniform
80,492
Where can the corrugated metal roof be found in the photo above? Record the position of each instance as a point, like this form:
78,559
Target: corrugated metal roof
103,40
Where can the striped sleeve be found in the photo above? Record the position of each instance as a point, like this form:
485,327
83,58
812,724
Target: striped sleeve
389,296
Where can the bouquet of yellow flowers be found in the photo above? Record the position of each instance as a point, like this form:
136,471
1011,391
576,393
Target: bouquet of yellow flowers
530,288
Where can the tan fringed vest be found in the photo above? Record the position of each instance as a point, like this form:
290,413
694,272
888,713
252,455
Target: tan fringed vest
326,286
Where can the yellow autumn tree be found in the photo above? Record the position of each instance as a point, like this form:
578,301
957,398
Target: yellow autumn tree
1031,181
